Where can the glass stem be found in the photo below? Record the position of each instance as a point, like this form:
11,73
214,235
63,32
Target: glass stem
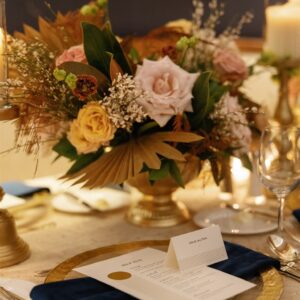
281,214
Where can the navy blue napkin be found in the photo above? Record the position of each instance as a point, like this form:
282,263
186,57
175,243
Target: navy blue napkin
20,189
296,214
242,262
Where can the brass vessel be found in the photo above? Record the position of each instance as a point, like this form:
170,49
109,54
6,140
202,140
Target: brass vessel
13,249
157,208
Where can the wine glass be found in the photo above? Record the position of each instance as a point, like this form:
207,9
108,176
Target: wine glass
279,163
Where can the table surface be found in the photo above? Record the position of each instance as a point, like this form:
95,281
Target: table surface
58,236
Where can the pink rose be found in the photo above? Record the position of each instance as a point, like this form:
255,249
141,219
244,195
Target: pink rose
229,65
75,53
168,89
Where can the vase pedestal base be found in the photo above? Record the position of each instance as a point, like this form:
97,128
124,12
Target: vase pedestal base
149,213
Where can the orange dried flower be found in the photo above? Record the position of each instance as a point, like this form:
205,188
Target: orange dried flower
86,85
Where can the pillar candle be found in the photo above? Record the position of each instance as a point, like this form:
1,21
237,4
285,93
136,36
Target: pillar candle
2,56
283,29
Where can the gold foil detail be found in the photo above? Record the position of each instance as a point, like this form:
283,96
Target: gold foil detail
119,275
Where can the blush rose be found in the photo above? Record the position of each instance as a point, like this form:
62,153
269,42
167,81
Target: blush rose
168,89
75,53
229,66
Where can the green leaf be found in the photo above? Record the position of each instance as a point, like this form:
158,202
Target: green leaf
217,90
95,47
162,173
83,161
216,170
245,159
66,149
116,49
134,55
175,173
147,126
99,45
201,99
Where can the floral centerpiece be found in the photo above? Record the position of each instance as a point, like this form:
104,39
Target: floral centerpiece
118,113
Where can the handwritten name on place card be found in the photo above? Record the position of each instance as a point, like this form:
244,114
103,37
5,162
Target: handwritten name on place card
197,248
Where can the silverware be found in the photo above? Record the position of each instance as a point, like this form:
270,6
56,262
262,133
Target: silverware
8,295
248,209
290,270
282,249
38,200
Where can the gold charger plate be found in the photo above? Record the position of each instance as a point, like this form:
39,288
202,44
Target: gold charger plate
269,284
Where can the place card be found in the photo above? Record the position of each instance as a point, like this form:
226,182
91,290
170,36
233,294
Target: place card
197,248
143,274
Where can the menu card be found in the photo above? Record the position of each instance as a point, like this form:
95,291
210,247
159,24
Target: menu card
145,274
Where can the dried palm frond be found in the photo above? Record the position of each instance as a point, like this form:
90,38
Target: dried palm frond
127,160
62,33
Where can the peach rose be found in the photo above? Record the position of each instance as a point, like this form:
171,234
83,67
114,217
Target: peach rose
168,89
75,53
229,65
91,129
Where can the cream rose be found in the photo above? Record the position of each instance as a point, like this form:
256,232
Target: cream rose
91,129
168,89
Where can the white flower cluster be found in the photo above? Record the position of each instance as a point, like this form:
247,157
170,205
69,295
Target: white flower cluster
231,124
121,102
208,38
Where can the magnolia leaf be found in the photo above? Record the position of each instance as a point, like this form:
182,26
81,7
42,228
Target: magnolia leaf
83,161
216,170
84,69
245,159
96,47
66,149
98,44
162,173
201,99
134,56
115,70
116,49
127,160
175,173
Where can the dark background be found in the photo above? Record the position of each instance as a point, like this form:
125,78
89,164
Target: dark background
135,16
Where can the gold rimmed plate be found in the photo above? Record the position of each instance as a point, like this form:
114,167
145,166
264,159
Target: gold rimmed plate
268,286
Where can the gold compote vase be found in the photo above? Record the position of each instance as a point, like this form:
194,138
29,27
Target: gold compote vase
157,207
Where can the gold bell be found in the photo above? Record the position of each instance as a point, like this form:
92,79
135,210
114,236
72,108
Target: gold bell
13,249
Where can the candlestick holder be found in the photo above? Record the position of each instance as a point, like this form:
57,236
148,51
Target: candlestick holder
13,249
286,68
